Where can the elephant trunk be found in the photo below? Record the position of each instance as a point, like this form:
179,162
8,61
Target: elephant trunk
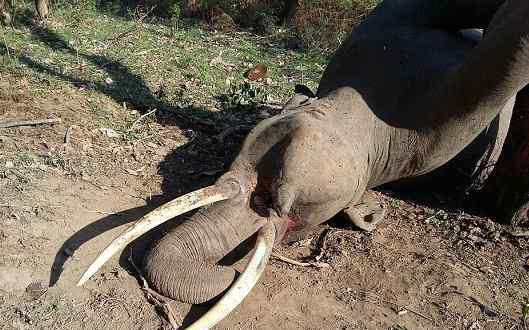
183,264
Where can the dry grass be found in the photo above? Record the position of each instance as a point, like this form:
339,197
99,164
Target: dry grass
320,24
326,23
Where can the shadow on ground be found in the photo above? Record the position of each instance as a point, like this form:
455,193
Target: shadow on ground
211,148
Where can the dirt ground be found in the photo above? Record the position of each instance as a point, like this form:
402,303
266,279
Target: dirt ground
66,190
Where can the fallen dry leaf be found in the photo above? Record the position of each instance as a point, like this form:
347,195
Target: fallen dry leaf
257,72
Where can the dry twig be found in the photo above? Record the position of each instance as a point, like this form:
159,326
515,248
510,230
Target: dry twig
272,106
141,118
67,135
106,213
30,122
517,233
20,175
463,262
367,293
163,303
316,264
6,46
432,217
323,242
134,28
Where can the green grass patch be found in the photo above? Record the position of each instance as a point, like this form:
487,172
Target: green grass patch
147,64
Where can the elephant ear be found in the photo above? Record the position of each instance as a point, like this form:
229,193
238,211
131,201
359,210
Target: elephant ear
303,95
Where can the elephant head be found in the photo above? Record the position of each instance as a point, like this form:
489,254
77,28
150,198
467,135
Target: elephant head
277,179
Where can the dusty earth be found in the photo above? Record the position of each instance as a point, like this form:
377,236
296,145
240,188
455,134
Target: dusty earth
67,189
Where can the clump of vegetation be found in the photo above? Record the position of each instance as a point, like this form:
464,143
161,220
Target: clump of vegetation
326,23
174,18
321,24
243,96
525,313
399,327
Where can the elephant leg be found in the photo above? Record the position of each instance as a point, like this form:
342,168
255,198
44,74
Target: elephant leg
366,214
507,189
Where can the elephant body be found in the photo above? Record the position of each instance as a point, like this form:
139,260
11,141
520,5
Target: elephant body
393,64
408,93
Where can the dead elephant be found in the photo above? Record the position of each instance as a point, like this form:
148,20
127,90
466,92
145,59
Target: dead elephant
404,94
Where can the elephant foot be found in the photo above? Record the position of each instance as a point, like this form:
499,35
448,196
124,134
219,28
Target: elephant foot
366,214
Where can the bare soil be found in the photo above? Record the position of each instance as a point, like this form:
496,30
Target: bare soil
62,203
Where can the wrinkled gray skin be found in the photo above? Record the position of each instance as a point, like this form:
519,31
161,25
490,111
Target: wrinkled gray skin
405,94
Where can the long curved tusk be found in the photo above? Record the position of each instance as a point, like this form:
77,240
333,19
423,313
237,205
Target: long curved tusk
244,284
163,213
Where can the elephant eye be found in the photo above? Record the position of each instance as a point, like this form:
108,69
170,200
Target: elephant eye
261,203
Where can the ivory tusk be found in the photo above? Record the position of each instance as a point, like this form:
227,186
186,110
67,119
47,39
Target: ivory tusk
163,213
244,284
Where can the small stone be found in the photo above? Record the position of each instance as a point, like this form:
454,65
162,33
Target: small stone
475,230
36,289
495,235
486,270
489,226
475,326
487,311
117,274
109,132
